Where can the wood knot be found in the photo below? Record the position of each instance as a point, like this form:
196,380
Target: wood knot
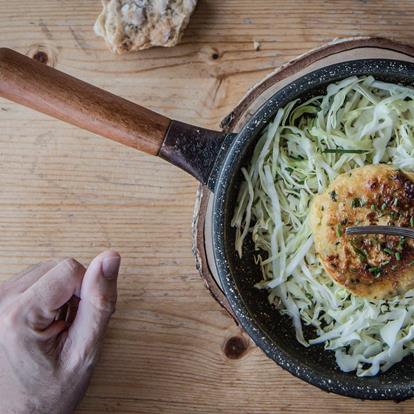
41,56
43,53
215,55
209,54
235,347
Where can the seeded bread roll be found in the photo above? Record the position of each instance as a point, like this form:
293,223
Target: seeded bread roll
129,25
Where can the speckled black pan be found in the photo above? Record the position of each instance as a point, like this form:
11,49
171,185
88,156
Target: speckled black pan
215,158
272,332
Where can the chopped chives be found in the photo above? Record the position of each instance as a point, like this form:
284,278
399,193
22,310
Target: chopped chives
387,250
362,255
339,230
356,202
374,270
398,255
412,221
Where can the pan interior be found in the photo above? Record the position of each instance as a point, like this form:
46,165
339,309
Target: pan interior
271,331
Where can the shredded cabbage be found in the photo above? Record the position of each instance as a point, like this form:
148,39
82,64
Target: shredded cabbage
365,121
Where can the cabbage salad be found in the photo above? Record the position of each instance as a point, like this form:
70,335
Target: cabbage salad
359,121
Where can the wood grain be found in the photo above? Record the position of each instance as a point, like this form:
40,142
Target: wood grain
65,192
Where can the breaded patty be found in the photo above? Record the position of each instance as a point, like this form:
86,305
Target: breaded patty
375,266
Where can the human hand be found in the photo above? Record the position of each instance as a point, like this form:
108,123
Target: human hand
52,320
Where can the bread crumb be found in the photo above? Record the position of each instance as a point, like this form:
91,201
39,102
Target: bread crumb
256,45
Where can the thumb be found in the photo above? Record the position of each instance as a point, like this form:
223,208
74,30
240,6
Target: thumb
98,296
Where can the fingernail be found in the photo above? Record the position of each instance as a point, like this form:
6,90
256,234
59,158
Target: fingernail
110,267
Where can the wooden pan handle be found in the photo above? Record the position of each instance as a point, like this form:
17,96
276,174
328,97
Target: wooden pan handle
52,92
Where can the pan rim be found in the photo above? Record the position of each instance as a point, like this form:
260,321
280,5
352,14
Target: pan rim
349,384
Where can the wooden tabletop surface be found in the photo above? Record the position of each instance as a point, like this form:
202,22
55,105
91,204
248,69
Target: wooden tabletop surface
66,192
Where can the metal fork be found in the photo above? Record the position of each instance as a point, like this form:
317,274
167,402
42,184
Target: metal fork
390,230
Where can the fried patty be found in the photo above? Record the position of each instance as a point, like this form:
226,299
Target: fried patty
374,266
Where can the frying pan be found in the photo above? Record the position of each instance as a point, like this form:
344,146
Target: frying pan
215,159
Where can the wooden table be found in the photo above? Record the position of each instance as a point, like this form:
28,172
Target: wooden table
65,192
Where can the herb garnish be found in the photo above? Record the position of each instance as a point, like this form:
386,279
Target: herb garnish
376,271
356,202
361,253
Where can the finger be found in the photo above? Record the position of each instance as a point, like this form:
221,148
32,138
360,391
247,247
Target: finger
53,330
97,303
50,337
68,311
62,312
73,305
22,281
52,291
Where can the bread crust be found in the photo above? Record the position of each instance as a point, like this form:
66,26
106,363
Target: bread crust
130,25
